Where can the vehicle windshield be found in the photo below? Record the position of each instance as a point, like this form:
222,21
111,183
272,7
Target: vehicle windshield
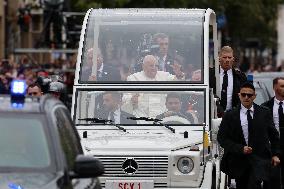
130,47
131,107
23,143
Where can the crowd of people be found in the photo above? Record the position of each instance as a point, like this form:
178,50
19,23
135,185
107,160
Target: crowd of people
54,77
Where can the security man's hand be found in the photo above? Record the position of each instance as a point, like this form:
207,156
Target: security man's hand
247,150
275,160
134,100
177,70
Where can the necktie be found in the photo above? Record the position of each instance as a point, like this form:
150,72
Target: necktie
224,90
111,116
249,118
281,123
161,64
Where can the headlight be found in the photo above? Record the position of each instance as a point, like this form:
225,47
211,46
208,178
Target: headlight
185,165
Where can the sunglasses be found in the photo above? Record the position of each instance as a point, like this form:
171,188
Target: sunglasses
247,94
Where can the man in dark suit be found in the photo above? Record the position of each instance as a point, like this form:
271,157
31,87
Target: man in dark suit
104,71
111,109
276,106
173,105
230,79
250,141
165,60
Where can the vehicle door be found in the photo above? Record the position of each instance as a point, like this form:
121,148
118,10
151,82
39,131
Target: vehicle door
68,140
70,143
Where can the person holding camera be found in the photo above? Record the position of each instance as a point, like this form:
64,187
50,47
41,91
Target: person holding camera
164,58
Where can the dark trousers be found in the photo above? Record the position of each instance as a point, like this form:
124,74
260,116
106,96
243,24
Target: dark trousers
248,181
282,174
276,177
54,17
281,166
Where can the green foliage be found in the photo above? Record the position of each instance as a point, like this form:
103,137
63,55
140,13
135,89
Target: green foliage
245,18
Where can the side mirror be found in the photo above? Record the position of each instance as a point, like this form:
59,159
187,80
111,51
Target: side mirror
87,167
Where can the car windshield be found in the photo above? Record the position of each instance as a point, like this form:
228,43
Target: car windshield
23,142
131,107
130,47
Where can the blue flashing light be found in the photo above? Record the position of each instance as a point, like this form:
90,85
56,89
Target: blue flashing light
17,105
18,87
18,91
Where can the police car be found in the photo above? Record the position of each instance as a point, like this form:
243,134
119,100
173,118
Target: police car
40,147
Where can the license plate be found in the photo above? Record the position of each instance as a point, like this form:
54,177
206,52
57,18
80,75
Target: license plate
129,184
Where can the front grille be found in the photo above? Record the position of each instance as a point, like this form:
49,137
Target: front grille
148,166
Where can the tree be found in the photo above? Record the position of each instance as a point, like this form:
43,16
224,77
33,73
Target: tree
246,18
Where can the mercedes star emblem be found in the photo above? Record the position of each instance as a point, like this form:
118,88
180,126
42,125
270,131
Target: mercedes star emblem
129,166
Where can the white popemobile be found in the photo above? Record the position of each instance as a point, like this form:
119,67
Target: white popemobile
142,102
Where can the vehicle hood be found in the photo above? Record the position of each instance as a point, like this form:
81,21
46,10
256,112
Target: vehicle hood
28,181
141,141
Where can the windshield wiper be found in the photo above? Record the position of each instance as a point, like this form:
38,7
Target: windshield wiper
103,121
96,120
145,119
155,121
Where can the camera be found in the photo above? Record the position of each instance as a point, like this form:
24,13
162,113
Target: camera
147,46
44,83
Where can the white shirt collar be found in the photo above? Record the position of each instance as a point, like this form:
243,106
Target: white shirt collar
228,71
278,101
244,109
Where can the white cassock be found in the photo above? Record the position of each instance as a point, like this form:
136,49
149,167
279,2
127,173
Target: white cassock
160,76
149,104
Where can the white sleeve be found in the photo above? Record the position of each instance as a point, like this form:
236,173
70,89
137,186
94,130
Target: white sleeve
141,111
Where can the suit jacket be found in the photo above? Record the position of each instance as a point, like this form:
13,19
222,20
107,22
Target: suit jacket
123,117
275,176
238,79
269,104
264,142
108,73
168,63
